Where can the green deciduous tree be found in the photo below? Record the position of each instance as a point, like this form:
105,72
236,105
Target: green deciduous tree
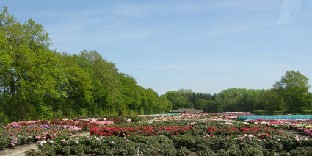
78,88
30,72
273,101
294,88
106,81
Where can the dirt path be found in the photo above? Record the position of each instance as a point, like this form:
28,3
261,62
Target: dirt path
20,150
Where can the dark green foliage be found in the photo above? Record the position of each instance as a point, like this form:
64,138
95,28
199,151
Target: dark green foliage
260,112
188,99
288,96
277,113
229,100
307,112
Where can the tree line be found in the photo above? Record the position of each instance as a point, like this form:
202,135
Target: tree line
39,83
289,95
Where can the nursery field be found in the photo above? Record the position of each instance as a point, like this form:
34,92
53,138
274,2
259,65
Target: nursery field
183,134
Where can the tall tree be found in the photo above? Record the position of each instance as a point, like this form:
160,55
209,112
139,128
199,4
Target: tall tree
30,72
78,88
131,96
106,81
179,99
294,87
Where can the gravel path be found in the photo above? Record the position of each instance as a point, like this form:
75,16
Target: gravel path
20,150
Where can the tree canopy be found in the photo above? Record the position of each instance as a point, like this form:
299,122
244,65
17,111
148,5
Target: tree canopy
294,89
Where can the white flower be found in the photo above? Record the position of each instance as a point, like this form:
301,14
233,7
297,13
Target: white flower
228,123
297,138
41,142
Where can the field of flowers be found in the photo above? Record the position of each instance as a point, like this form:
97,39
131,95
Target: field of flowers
25,132
302,126
185,134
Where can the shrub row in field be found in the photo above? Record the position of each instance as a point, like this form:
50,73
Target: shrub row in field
175,145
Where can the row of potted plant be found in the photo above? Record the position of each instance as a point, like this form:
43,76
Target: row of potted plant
139,130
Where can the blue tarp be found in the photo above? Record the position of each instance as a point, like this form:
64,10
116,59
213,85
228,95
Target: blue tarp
276,117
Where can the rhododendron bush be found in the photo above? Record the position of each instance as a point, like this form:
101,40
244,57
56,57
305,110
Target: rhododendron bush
19,133
23,132
141,130
302,126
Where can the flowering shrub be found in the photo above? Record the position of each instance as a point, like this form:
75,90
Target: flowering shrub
5,138
302,126
142,130
23,132
18,136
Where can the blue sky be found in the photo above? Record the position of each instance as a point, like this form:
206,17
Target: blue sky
206,46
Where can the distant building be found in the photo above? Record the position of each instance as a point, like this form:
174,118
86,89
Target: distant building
186,110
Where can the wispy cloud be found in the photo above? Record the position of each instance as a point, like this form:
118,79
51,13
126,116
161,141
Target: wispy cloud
110,24
190,7
247,5
293,10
